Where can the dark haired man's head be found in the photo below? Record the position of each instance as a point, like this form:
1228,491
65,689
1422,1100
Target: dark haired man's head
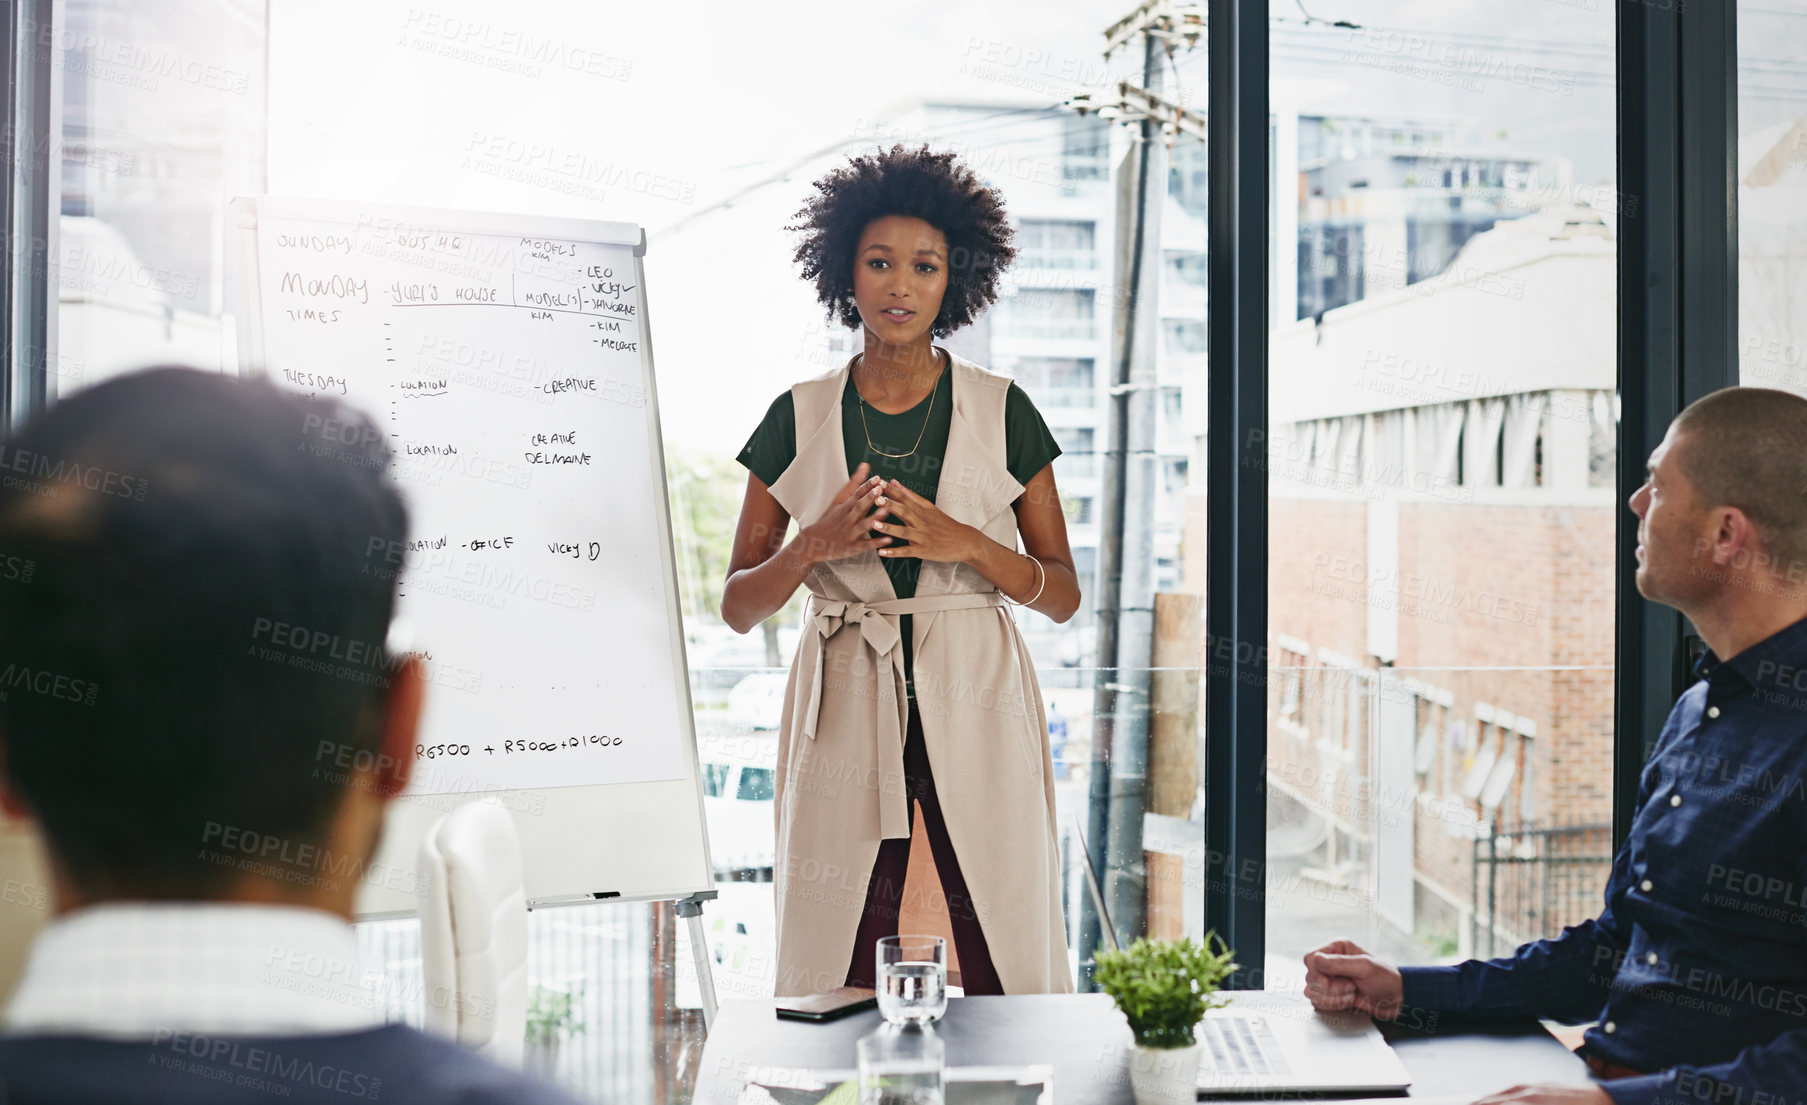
197,575
945,208
1722,516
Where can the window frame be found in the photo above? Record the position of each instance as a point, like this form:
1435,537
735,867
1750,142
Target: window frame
30,190
1677,341
1235,675
1678,314
1676,122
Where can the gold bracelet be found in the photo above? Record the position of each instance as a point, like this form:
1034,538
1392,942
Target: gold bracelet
1039,570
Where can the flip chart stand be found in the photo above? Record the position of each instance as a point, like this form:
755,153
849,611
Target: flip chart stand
501,325
691,909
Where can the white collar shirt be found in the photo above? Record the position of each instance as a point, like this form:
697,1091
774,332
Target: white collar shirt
144,970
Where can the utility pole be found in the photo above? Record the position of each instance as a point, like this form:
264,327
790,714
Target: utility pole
1125,583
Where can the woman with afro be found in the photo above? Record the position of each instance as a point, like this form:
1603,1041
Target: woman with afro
913,475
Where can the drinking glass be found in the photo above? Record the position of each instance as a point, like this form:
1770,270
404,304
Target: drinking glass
912,979
902,1066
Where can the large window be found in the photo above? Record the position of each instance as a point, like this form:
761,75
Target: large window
1443,400
1051,332
1085,151
171,108
1442,376
1057,244
1058,381
1079,454
1048,313
1772,195
163,123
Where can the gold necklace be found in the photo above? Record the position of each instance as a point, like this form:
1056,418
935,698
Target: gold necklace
919,435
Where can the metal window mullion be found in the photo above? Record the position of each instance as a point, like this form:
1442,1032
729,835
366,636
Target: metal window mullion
1707,55
1236,481
30,205
1678,314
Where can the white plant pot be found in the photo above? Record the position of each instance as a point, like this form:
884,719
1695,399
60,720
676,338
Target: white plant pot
1165,1075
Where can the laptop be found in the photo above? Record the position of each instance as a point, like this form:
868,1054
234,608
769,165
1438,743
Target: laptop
1263,1041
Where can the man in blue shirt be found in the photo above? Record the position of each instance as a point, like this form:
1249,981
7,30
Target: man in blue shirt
1695,971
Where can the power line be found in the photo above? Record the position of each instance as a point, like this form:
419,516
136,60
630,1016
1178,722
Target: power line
1318,52
1473,38
1502,46
1299,50
1764,92
1343,50
1771,65
962,123
1585,78
1311,19
1604,51
966,127
1579,77
792,166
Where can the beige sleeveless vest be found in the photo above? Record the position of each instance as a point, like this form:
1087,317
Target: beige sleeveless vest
839,787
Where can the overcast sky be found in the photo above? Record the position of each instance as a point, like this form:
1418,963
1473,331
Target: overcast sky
478,104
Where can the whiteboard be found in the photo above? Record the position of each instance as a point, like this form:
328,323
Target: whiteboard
509,360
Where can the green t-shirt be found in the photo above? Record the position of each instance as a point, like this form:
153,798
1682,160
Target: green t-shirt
1028,448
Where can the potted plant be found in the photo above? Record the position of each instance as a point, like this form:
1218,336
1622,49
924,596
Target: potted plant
1164,988
551,1015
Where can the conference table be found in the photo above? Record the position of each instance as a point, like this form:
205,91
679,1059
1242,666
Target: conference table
1085,1041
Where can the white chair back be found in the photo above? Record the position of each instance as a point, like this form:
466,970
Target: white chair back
473,931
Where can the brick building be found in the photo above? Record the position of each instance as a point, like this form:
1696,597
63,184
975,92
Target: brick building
1441,610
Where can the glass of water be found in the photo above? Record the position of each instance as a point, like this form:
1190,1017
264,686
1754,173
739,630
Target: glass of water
912,979
902,1066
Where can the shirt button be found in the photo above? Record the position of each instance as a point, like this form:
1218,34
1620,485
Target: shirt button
1712,711
1675,799
1651,959
1646,886
1609,1028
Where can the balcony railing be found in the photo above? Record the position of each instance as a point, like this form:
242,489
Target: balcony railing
1531,880
1076,466
1055,258
1083,329
1434,807
1067,397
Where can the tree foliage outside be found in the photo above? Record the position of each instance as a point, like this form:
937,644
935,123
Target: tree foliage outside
706,489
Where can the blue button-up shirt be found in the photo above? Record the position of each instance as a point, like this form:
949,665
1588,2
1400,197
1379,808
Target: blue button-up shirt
1696,968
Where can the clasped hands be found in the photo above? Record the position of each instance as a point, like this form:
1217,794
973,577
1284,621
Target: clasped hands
872,513
931,534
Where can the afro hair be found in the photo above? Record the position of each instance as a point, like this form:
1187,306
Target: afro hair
932,187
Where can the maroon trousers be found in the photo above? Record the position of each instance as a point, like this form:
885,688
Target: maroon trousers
884,894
